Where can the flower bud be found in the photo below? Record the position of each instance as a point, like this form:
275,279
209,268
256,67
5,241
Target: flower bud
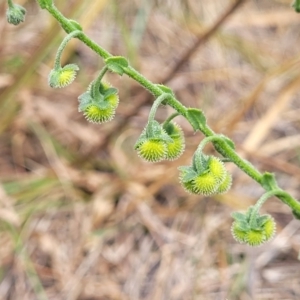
253,232
59,78
15,14
217,169
100,108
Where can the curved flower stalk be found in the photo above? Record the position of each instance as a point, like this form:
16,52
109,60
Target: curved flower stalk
60,77
252,228
206,176
100,101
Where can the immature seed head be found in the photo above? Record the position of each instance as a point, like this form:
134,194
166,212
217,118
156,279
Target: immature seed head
152,150
205,184
245,231
15,14
95,114
59,78
225,185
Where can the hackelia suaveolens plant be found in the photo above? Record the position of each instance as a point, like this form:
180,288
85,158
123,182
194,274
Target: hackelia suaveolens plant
207,174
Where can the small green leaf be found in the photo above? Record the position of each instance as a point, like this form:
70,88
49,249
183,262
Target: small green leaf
196,118
102,104
190,175
165,137
154,128
242,225
85,100
166,89
268,181
185,168
75,24
262,220
239,216
117,64
228,141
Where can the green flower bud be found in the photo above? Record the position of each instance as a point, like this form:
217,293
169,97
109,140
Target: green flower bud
225,185
253,230
102,107
62,77
152,150
217,169
15,14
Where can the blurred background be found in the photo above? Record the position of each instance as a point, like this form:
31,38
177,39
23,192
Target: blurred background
83,217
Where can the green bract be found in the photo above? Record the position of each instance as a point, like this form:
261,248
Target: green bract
61,77
152,143
15,14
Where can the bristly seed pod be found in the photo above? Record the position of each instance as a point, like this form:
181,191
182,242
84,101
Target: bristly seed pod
96,114
225,184
100,108
152,150
61,77
253,232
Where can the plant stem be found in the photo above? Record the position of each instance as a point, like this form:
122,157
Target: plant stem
62,46
170,118
153,110
97,82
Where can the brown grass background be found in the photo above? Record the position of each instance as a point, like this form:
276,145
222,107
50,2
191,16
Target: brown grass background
82,217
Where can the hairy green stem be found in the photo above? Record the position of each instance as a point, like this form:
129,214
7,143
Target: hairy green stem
97,82
57,64
220,144
10,3
153,110
170,118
